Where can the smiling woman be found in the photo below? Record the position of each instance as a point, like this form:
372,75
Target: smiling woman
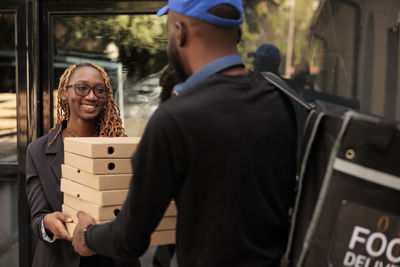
86,104
85,108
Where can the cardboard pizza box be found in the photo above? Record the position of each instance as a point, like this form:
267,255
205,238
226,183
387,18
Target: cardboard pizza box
103,213
171,209
97,212
102,147
102,198
98,166
162,237
157,237
96,181
166,223
74,214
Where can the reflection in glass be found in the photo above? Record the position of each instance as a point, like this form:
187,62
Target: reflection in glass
8,110
8,142
345,50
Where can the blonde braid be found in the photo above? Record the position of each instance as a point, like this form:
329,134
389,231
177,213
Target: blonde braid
62,105
110,122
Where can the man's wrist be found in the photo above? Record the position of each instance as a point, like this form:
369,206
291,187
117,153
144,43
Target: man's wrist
85,236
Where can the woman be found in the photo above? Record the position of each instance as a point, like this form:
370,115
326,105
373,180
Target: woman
85,108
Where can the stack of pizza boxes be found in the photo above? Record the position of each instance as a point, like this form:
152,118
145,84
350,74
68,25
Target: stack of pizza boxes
95,179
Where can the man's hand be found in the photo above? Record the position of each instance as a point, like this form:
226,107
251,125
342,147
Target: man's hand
79,240
54,222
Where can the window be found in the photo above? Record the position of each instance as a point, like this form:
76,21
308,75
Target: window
8,99
8,143
132,50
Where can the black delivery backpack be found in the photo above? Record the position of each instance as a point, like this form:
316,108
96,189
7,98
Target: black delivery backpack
347,209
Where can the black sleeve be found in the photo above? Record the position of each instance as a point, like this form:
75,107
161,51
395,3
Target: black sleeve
158,168
36,199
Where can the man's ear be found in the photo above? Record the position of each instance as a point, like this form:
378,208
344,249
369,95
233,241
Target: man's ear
181,33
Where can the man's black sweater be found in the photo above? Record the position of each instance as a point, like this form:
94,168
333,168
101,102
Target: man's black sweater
225,150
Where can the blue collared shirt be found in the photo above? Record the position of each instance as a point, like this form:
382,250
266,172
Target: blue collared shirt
208,70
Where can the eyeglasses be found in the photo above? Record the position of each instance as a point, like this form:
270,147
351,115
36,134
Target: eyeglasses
83,90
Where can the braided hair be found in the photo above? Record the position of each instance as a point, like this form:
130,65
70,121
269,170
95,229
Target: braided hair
109,123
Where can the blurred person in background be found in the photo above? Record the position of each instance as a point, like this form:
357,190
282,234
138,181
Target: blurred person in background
302,79
266,58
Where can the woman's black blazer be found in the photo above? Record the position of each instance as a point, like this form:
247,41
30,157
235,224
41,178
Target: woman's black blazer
43,174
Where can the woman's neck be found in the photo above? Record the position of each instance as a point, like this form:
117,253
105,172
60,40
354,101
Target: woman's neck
82,128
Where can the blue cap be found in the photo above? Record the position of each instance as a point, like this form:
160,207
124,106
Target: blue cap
199,9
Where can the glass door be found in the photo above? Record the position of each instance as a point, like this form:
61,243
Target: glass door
13,130
8,142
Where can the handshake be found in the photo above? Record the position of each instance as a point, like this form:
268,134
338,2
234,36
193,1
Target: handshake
55,223
96,175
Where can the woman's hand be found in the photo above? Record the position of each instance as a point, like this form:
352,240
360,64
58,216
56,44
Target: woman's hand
54,222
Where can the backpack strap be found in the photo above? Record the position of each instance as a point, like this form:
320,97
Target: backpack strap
281,85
